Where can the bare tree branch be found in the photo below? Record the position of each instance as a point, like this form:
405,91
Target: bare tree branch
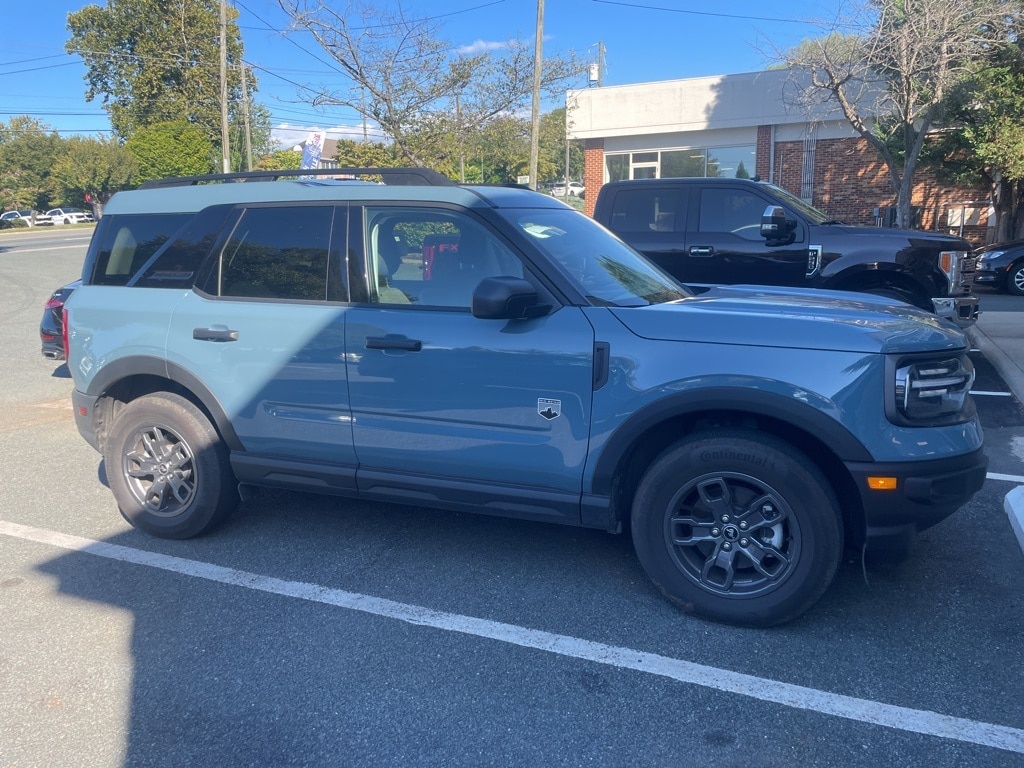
404,77
890,77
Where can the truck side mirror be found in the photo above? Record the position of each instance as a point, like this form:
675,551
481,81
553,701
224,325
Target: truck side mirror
775,227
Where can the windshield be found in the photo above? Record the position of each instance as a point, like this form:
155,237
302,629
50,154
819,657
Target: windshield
607,270
812,213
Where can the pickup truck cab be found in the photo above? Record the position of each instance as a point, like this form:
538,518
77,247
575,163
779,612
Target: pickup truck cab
706,231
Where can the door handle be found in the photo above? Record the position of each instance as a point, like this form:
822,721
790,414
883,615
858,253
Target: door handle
218,333
702,250
394,342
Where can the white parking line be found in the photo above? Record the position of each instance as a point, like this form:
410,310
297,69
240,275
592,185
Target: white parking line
991,394
799,697
54,248
1010,478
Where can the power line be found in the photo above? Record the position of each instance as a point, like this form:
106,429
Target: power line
703,13
381,26
29,61
38,69
285,35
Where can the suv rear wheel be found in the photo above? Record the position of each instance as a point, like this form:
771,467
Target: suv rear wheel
168,468
738,527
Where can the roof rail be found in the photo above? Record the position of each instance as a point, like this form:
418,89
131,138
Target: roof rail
395,176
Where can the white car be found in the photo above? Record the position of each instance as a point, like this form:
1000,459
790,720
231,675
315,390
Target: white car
576,189
68,216
25,215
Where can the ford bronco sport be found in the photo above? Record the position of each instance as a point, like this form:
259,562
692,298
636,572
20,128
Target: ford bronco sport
490,349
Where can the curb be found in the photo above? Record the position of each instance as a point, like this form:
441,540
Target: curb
1009,370
1013,504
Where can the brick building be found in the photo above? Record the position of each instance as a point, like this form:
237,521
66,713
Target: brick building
753,124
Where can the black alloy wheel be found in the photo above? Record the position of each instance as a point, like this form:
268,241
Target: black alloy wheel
737,527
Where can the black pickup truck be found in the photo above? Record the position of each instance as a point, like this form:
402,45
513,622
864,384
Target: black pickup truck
707,231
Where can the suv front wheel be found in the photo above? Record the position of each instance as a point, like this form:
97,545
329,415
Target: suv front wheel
168,468
737,526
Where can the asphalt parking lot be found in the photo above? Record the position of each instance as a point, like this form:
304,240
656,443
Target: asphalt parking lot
315,631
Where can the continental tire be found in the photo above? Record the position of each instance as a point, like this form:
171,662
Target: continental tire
738,527
168,468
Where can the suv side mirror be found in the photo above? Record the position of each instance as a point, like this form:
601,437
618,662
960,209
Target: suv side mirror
507,298
775,227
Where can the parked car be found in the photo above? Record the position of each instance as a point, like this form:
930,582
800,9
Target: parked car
713,231
1001,266
288,334
24,216
576,189
69,216
51,327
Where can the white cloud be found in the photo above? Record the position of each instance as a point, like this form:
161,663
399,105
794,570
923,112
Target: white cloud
286,136
481,46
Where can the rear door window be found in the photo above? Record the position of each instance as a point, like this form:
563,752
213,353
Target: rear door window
281,252
648,210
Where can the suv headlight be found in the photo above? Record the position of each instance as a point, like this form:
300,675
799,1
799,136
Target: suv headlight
930,391
951,263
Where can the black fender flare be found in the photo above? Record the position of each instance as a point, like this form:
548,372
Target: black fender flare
125,368
839,439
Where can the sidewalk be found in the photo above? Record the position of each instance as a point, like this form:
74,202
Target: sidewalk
1000,338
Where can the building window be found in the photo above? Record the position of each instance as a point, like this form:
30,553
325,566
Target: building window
721,162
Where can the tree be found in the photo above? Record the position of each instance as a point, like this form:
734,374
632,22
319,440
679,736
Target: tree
281,160
891,81
28,151
404,77
985,142
92,170
260,136
153,61
552,149
504,143
171,149
366,154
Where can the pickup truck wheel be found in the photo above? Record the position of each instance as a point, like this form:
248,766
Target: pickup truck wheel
738,527
892,293
1015,280
168,468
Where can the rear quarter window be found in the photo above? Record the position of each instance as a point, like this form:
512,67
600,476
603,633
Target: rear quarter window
124,243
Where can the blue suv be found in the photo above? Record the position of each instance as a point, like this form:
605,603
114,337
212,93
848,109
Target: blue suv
490,349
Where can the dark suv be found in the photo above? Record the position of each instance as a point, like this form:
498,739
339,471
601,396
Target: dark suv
492,350
736,231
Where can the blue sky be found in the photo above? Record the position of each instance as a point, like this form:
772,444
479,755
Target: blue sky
644,40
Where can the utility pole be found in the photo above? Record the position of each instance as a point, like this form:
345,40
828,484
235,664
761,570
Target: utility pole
245,118
458,138
225,149
538,61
